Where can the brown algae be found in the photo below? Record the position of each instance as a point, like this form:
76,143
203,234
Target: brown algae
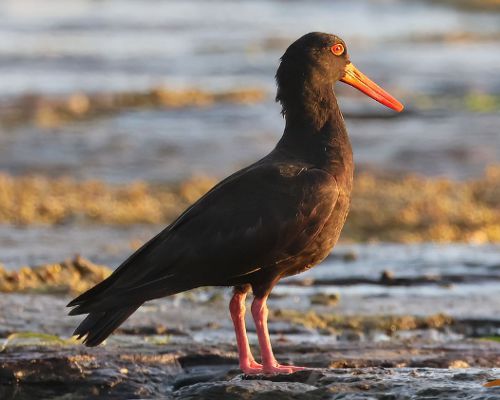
385,323
75,276
54,111
406,209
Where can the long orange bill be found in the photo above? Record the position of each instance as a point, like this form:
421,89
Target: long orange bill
494,383
360,81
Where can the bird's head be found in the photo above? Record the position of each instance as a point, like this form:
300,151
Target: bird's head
321,59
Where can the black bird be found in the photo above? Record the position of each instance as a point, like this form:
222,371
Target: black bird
275,218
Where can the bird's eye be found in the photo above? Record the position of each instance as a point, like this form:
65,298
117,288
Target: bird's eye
337,49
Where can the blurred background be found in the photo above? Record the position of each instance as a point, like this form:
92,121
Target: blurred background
440,57
117,114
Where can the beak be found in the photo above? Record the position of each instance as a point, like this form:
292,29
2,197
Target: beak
357,79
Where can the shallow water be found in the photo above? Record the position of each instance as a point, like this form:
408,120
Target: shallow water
126,45
477,296
171,145
87,45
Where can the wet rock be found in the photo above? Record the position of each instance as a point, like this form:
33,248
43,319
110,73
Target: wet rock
245,389
388,278
151,330
347,256
325,299
351,336
309,377
488,328
203,364
202,375
207,358
130,368
48,372
285,328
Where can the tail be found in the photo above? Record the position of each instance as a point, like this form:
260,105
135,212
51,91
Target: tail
108,309
97,326
112,301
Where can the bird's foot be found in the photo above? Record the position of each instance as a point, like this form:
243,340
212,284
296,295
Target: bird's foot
251,368
276,368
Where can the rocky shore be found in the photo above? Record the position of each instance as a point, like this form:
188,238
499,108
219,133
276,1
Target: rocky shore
365,332
194,357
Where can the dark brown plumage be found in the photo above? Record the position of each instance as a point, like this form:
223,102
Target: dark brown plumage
275,218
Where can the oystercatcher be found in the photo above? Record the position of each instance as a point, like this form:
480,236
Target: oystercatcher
277,217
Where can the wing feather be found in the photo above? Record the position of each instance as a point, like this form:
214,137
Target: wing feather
254,219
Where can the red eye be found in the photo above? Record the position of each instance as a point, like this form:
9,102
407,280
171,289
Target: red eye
337,49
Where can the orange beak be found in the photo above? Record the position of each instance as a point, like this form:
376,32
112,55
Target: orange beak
360,81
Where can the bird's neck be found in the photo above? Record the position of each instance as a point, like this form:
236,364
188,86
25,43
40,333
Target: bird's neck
315,131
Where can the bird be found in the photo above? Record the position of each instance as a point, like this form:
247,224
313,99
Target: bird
277,217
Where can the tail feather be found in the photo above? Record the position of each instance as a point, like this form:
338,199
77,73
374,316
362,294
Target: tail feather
97,326
89,294
108,300
108,304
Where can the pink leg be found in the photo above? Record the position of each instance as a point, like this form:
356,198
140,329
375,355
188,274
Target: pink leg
237,308
269,363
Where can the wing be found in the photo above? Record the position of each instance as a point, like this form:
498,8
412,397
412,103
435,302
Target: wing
254,219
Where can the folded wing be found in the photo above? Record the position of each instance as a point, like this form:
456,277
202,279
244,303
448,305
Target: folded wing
251,220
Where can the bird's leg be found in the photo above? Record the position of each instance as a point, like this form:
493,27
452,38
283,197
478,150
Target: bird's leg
269,363
237,308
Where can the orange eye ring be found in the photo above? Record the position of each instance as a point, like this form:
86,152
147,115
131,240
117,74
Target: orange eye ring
337,49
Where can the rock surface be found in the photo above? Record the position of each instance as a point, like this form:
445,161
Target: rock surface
195,357
133,369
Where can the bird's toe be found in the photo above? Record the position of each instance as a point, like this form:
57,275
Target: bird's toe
252,368
281,369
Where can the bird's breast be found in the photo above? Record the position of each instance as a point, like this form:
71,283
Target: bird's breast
319,248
